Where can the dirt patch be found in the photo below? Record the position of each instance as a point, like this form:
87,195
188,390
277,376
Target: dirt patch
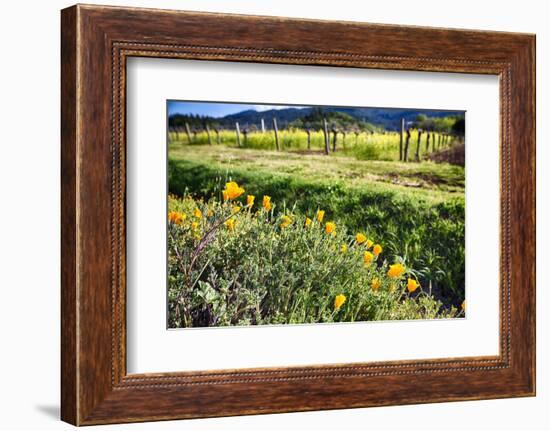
399,180
454,155
307,152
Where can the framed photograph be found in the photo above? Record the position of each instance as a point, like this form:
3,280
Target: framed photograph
266,215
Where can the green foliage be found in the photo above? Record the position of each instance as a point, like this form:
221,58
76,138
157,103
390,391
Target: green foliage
194,121
420,118
427,234
451,124
247,267
314,120
459,127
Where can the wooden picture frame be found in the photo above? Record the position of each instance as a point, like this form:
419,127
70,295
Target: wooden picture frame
95,42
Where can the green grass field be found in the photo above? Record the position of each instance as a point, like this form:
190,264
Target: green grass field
414,210
431,181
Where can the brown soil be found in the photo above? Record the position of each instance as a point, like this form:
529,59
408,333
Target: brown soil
308,152
454,155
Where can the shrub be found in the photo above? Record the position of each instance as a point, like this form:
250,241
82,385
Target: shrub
243,261
426,236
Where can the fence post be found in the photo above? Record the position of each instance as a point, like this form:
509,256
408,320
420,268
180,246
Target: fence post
238,131
245,135
401,133
263,126
417,156
217,130
406,150
308,131
188,132
427,141
208,133
276,131
325,132
334,138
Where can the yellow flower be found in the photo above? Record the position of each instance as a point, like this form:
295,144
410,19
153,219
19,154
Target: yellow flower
209,213
230,224
368,257
393,287
396,270
232,191
339,301
360,238
412,285
377,249
320,215
197,213
330,227
176,217
250,200
286,221
308,221
463,305
266,203
344,248
194,225
236,209
375,284
369,243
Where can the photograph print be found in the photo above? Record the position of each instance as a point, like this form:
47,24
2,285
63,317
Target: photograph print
286,214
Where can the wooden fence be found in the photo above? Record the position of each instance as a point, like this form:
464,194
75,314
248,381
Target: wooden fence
333,137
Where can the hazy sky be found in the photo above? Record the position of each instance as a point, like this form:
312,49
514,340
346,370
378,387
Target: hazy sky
214,109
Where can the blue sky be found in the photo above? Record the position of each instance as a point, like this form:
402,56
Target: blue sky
217,109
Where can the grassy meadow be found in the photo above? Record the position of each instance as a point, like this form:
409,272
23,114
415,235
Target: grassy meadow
237,261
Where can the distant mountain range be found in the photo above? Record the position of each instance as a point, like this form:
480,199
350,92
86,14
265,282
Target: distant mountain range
389,119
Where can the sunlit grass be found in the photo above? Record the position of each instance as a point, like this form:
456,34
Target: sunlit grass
416,209
431,180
